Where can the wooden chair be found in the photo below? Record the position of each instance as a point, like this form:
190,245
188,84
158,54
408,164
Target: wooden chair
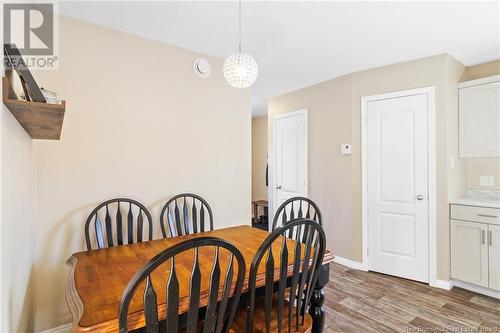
218,311
286,310
185,214
134,223
297,207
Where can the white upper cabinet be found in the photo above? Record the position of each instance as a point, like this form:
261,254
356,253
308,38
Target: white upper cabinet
479,108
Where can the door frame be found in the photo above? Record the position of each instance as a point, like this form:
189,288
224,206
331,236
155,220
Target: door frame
431,168
272,192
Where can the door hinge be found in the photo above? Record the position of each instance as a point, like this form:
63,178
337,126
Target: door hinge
368,252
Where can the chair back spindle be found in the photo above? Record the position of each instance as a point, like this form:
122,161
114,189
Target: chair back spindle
185,214
297,207
112,233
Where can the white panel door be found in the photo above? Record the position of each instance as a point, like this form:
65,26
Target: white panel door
291,156
469,252
397,200
494,266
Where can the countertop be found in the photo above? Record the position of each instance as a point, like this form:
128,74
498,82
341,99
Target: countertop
490,203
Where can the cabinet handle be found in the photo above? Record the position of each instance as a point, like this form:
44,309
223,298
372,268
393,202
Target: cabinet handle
486,215
490,237
482,236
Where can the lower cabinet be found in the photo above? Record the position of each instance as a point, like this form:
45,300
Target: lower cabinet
475,253
469,252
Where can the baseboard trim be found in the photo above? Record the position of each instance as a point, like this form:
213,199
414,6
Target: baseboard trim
66,328
349,263
442,284
477,289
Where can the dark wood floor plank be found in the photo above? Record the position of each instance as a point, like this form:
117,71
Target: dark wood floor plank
358,301
423,310
361,319
481,315
391,280
390,320
423,324
341,324
392,309
486,301
356,288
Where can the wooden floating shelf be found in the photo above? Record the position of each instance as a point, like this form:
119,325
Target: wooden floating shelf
39,120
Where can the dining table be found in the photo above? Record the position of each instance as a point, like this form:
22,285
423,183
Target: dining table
98,278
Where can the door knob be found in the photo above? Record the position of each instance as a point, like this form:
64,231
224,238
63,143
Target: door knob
278,187
420,197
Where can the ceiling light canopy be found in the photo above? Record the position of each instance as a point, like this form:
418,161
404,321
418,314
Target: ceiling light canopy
240,69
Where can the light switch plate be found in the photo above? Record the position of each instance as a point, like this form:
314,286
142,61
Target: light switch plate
487,180
345,149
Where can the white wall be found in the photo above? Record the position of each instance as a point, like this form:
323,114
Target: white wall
139,123
17,227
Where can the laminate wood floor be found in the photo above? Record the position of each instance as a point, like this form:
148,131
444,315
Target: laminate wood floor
358,301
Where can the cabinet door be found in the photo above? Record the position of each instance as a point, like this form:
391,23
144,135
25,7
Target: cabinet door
469,252
494,242
479,108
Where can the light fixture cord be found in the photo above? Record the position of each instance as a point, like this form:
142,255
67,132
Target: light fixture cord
239,26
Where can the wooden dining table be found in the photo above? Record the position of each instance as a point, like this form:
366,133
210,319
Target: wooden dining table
98,278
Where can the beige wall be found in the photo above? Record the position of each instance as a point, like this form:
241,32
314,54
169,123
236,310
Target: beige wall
259,158
335,117
482,166
477,167
139,123
481,70
330,185
18,227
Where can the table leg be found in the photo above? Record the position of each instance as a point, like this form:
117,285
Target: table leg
316,310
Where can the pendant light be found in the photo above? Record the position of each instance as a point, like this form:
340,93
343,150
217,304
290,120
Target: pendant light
240,69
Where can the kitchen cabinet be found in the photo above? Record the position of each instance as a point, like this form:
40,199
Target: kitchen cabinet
479,117
475,245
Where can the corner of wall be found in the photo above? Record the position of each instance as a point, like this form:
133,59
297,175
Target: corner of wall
17,215
456,175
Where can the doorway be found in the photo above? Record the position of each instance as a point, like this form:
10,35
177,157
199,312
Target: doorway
290,171
260,168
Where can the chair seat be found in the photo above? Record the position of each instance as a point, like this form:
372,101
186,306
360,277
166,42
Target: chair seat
259,326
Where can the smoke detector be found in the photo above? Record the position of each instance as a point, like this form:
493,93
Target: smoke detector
202,68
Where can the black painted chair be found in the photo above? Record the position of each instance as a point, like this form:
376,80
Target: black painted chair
284,306
132,223
220,309
184,214
296,208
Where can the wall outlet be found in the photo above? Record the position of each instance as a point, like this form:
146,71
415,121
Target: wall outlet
487,180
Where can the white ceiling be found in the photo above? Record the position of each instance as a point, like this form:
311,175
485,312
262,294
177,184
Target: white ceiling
300,43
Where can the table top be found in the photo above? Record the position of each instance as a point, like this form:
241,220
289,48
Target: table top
98,278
